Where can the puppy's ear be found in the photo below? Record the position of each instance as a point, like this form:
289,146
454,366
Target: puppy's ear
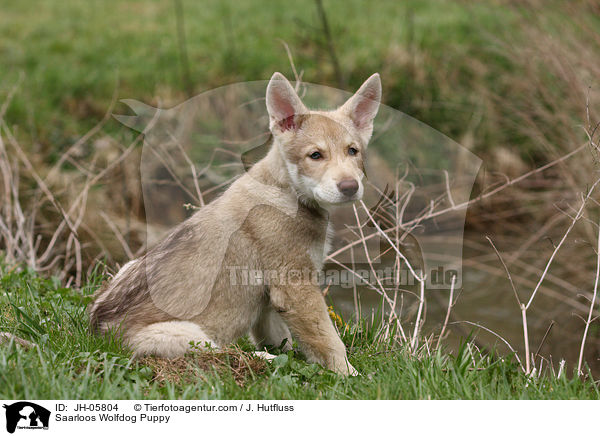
284,105
362,107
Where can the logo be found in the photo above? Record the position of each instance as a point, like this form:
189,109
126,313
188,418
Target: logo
26,415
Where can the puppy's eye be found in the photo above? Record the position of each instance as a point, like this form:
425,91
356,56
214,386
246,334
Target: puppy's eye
316,155
352,151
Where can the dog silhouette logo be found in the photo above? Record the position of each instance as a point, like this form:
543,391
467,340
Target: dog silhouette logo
26,415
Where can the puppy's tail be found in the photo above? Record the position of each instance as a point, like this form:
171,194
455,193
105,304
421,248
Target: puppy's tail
94,309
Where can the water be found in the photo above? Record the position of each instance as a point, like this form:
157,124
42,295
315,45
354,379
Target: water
486,298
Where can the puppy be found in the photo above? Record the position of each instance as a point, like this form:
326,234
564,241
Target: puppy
273,221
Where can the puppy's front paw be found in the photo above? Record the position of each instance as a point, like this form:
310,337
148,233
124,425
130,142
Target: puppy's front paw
345,368
352,371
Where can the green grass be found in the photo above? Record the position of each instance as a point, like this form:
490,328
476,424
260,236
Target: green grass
436,58
69,363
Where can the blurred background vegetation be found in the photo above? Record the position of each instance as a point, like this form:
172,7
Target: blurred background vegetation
516,82
492,71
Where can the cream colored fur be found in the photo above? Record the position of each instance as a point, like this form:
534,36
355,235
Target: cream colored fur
167,339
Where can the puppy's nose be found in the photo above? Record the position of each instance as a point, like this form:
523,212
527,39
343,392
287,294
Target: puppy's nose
348,187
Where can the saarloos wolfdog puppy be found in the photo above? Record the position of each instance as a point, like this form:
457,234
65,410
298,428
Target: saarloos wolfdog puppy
274,218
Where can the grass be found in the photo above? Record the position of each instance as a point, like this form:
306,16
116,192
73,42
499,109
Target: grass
69,363
445,63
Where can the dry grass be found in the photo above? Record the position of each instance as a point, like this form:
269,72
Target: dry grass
52,219
200,363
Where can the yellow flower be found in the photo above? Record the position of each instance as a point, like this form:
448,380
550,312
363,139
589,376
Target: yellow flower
336,318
